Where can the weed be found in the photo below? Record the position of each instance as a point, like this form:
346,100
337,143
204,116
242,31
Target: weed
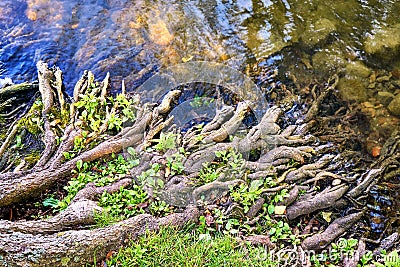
160,208
339,250
151,177
125,203
207,174
227,162
389,260
170,247
246,195
165,142
174,163
100,172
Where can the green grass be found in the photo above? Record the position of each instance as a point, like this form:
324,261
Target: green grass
170,247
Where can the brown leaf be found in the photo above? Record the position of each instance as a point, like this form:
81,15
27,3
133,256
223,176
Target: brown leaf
209,218
142,205
110,254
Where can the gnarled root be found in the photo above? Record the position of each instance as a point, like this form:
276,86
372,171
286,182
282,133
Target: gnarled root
77,247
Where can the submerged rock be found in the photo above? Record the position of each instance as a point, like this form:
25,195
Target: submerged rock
318,32
353,88
355,83
357,69
394,106
384,97
384,42
329,60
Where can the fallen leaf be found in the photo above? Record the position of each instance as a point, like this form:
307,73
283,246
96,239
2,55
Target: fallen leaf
167,172
142,205
280,210
376,151
327,216
55,122
110,254
209,218
187,59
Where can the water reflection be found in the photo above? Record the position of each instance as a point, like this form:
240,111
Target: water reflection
124,37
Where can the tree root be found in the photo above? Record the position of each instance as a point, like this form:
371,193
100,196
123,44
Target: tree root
286,161
77,247
310,203
334,230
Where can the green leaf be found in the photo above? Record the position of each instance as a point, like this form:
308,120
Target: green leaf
131,151
51,202
79,164
255,185
271,209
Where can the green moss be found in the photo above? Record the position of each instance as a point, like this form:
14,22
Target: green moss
16,88
32,157
32,120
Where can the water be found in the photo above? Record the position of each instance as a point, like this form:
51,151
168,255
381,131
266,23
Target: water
300,40
125,36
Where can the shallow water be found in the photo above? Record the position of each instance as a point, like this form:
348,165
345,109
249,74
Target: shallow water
133,39
125,36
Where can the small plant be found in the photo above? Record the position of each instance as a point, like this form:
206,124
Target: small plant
125,203
227,161
79,142
246,195
389,260
366,259
340,249
165,142
174,163
207,174
280,231
96,111
51,202
160,208
278,197
100,172
151,177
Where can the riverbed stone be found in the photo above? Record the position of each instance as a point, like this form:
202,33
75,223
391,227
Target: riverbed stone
384,41
394,106
329,60
384,97
353,88
357,69
317,32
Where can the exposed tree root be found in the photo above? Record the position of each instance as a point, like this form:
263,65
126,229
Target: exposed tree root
289,157
77,247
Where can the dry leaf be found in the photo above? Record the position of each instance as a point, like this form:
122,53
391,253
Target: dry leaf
209,218
187,59
280,210
327,216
